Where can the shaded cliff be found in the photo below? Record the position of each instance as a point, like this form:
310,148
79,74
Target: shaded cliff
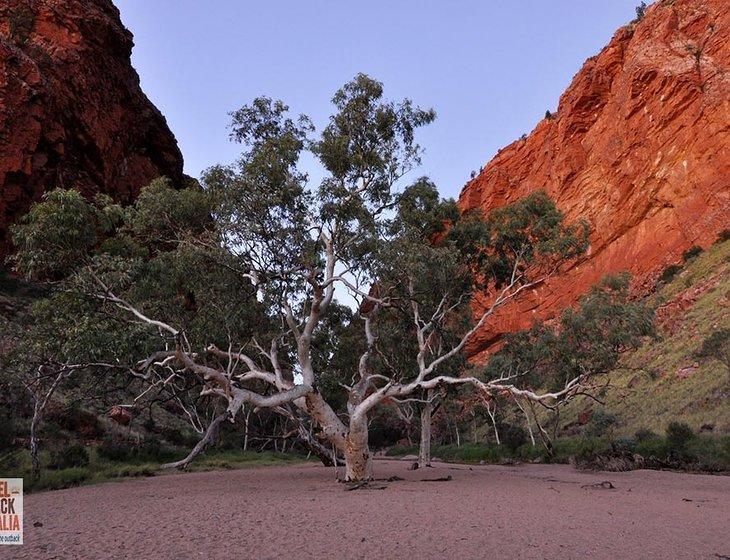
638,147
72,113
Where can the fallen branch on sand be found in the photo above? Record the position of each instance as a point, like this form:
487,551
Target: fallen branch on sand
605,485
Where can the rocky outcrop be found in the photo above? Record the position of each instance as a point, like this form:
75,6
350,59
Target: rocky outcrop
72,113
638,147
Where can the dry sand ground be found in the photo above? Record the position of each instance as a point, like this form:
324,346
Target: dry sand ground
531,511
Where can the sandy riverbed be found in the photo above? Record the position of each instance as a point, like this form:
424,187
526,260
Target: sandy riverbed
530,511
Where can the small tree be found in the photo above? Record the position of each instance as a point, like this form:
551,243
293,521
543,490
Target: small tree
640,12
586,343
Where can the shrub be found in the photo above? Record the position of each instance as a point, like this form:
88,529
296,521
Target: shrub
589,448
691,253
513,436
640,12
184,438
710,453
723,236
75,419
668,274
115,450
529,452
66,478
133,471
716,346
7,433
600,423
68,457
643,434
624,445
153,450
678,435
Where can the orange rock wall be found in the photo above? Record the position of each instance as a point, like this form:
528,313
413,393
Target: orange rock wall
72,113
638,147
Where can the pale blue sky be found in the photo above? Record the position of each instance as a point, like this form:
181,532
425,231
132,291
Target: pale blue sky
490,69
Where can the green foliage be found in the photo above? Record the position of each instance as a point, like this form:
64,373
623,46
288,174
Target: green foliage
668,274
115,450
70,456
643,434
723,236
421,209
678,436
56,236
716,346
367,133
8,433
65,478
513,436
588,340
528,232
243,263
702,453
601,423
624,445
691,253
640,12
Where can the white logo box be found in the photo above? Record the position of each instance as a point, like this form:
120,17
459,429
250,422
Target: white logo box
11,511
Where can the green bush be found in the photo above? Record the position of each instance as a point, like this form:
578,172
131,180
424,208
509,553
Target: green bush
642,434
691,253
153,450
716,346
623,445
513,436
600,423
7,433
723,236
115,450
529,452
589,448
668,274
679,435
710,453
66,478
68,457
401,450
133,471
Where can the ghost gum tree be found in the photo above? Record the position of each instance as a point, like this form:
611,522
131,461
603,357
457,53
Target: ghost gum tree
233,285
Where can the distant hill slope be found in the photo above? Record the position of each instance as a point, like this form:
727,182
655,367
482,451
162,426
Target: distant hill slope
665,380
639,146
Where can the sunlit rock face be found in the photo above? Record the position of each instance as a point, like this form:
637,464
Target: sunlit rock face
639,147
72,113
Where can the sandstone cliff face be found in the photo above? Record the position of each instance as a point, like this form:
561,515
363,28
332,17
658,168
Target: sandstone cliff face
72,113
639,147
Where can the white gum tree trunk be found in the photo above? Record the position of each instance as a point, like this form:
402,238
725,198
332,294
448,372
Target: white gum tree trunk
358,459
424,450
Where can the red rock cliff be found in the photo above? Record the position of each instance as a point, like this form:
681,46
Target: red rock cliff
72,113
639,147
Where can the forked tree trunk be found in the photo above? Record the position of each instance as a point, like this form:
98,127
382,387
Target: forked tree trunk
424,451
358,459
